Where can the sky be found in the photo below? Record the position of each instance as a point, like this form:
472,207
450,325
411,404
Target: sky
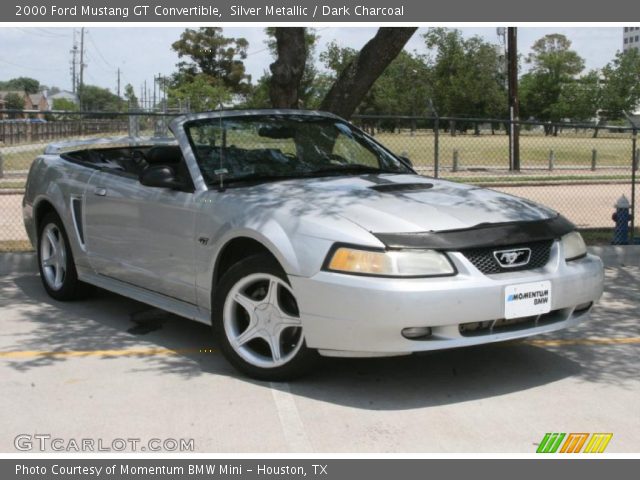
143,52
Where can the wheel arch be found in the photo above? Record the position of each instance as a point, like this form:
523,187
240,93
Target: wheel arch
237,249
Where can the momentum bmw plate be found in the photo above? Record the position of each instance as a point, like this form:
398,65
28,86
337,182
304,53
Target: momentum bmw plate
527,299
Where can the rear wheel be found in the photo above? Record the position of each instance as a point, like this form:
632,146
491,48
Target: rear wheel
55,261
257,322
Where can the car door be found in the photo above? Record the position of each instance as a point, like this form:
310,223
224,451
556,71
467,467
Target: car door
141,235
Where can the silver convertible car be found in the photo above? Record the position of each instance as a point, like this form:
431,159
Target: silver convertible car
296,235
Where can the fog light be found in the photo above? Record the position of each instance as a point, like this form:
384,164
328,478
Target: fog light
416,333
582,307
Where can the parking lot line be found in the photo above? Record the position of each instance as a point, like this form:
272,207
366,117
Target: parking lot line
177,351
103,353
583,341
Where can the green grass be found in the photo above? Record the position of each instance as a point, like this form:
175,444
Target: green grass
537,179
493,150
12,184
20,160
15,246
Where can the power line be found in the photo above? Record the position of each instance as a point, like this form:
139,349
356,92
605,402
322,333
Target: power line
100,53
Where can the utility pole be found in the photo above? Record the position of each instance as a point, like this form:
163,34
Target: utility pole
82,65
514,107
118,83
74,62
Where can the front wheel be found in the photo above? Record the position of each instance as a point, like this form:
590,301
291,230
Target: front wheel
55,261
257,322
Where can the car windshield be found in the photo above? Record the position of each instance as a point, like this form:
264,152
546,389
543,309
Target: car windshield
272,147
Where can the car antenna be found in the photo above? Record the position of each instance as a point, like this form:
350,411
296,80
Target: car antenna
221,171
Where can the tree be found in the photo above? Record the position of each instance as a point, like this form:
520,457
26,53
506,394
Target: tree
210,53
13,101
98,99
621,84
554,66
579,100
200,94
361,72
23,84
552,55
65,104
468,77
130,97
288,68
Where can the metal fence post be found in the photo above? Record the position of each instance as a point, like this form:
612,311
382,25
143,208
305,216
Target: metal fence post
436,147
552,159
454,167
634,165
1,166
594,159
637,159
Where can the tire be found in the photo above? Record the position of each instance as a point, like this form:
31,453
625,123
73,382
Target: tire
256,322
55,261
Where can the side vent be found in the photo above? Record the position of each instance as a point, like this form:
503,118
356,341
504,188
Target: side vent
76,209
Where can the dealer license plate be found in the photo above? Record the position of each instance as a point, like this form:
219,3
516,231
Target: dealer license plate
527,299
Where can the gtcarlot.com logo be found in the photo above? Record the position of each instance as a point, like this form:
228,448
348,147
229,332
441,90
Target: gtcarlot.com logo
47,443
574,443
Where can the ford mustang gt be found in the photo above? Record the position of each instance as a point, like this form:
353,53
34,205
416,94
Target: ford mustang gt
295,235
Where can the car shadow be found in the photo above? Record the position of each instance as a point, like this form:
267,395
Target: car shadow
104,322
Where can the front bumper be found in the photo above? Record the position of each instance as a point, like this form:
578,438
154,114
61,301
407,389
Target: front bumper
347,315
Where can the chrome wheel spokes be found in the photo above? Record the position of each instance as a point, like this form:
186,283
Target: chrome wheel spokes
261,320
53,256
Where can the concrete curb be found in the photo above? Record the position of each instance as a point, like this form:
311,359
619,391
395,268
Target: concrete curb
611,255
22,262
618,255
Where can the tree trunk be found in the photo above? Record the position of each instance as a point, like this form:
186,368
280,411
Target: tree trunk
360,74
287,70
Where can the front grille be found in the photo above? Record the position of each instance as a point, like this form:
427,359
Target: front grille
484,260
490,327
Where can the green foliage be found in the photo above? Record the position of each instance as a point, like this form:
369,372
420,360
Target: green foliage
547,90
621,84
213,55
13,101
202,93
467,75
98,99
23,84
130,96
64,104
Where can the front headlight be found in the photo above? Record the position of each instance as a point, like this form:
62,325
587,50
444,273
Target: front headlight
573,246
401,263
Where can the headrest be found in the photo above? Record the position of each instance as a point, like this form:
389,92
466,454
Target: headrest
164,155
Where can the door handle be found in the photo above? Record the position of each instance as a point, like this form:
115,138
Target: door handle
101,192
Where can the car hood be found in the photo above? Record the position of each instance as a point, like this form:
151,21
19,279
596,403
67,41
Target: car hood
385,203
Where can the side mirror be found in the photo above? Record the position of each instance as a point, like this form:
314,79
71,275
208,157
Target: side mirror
406,160
160,176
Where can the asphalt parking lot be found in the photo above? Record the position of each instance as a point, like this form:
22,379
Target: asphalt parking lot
86,370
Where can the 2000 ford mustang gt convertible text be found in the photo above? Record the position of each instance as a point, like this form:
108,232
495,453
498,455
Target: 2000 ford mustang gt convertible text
296,234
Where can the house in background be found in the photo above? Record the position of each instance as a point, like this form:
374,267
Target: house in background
63,95
32,101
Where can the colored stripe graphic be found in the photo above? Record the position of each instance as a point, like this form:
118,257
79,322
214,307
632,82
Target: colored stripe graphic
574,443
550,442
598,443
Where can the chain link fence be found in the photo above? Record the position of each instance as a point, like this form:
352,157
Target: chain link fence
577,169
